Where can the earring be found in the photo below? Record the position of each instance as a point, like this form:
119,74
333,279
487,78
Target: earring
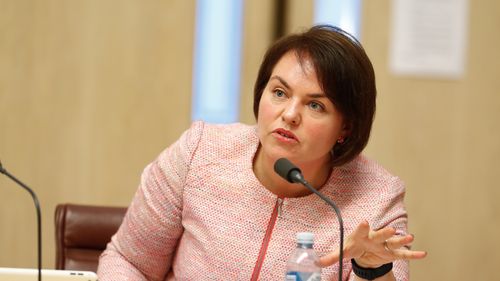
340,140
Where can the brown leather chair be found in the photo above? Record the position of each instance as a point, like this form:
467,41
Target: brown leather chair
82,233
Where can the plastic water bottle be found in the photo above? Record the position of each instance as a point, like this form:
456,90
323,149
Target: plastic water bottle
303,264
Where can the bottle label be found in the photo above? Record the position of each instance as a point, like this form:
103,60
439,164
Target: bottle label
302,276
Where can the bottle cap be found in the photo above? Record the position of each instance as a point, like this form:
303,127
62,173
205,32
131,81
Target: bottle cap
305,237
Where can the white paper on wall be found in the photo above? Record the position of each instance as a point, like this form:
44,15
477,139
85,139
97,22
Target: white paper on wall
429,38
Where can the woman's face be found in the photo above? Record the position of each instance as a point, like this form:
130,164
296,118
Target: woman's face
296,119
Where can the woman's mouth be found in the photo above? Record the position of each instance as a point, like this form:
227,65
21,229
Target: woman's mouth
285,135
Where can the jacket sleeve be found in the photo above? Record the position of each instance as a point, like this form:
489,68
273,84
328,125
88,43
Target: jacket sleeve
389,211
144,246
393,214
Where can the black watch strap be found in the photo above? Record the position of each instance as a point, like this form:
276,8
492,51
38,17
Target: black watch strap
370,273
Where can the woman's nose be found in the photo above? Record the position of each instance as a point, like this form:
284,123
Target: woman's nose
291,113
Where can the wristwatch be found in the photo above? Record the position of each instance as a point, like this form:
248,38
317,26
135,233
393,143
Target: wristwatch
370,273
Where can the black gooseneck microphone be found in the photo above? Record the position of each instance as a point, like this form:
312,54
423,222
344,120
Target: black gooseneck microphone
38,216
293,174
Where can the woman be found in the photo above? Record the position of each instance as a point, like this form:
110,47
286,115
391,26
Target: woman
212,207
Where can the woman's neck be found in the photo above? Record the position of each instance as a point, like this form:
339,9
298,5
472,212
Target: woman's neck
263,168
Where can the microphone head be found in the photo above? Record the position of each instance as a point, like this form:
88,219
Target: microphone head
287,170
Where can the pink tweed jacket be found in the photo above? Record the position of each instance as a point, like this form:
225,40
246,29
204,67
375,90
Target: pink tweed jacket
201,214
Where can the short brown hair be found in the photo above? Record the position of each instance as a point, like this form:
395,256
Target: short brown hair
345,74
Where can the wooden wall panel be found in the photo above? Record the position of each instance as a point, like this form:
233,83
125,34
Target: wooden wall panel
90,92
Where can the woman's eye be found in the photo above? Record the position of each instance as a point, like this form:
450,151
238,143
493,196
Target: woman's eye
316,106
279,93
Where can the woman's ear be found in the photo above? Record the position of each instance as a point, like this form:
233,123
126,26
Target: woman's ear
346,130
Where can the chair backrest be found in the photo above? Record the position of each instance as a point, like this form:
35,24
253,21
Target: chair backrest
82,233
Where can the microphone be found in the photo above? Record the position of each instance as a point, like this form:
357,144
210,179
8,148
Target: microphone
38,216
293,174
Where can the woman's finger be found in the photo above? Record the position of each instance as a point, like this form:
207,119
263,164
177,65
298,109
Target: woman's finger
379,236
362,231
329,259
405,254
397,242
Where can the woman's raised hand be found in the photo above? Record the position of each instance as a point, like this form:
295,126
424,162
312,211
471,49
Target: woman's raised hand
374,248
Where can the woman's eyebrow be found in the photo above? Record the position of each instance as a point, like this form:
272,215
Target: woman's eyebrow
282,81
317,96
